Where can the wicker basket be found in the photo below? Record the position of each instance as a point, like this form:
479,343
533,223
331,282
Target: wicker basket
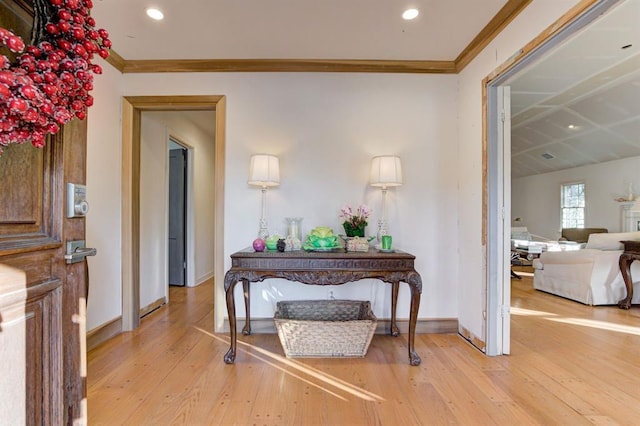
325,328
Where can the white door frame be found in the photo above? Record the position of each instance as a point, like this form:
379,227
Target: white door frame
132,107
499,212
498,166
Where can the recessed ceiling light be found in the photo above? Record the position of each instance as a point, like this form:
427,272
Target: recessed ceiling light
410,14
572,127
155,14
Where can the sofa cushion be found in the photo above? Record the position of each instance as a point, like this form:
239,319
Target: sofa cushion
611,241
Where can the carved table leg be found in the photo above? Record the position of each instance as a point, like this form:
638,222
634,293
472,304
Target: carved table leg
229,283
625,269
414,358
246,330
395,331
415,283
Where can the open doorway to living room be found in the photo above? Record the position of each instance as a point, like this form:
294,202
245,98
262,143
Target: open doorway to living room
574,120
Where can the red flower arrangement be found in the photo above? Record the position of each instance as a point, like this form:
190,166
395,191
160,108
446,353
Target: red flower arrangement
50,80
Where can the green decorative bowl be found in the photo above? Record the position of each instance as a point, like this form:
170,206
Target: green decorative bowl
272,242
323,242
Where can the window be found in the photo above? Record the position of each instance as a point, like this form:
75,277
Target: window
572,205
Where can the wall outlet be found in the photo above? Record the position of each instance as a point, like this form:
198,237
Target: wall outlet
330,295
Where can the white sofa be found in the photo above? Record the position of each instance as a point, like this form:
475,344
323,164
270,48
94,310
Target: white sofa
591,275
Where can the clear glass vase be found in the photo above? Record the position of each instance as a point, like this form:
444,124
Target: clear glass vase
293,227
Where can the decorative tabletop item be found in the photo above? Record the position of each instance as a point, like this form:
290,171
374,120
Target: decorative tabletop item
386,172
355,222
293,227
321,238
264,171
259,244
358,244
292,244
272,241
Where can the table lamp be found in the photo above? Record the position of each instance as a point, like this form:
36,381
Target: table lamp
386,172
264,171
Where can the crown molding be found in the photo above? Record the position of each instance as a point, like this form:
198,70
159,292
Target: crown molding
116,61
288,65
499,22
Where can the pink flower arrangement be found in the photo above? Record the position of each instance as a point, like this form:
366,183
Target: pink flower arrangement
355,219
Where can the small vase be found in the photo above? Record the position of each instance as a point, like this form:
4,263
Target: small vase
353,231
293,227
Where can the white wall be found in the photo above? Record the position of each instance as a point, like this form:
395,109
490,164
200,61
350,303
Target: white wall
325,128
157,126
104,225
531,22
104,192
536,199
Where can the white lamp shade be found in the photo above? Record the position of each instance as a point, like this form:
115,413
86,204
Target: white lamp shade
386,171
264,170
635,207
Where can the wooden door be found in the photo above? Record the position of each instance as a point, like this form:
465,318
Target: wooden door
42,299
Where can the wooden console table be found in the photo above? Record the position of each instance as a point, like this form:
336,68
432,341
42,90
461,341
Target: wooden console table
631,253
323,268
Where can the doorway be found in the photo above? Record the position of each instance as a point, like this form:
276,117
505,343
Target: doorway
497,163
131,149
177,232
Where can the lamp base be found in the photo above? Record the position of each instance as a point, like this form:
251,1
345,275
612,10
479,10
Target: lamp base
263,232
382,229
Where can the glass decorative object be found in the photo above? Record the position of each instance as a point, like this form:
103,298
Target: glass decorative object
293,227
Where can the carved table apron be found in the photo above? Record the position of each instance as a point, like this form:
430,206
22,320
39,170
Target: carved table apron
323,268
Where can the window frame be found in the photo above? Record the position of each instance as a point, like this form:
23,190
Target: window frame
563,207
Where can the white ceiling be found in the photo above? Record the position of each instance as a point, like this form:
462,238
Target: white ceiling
294,29
588,81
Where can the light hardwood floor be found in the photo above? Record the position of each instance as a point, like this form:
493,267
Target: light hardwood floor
570,365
